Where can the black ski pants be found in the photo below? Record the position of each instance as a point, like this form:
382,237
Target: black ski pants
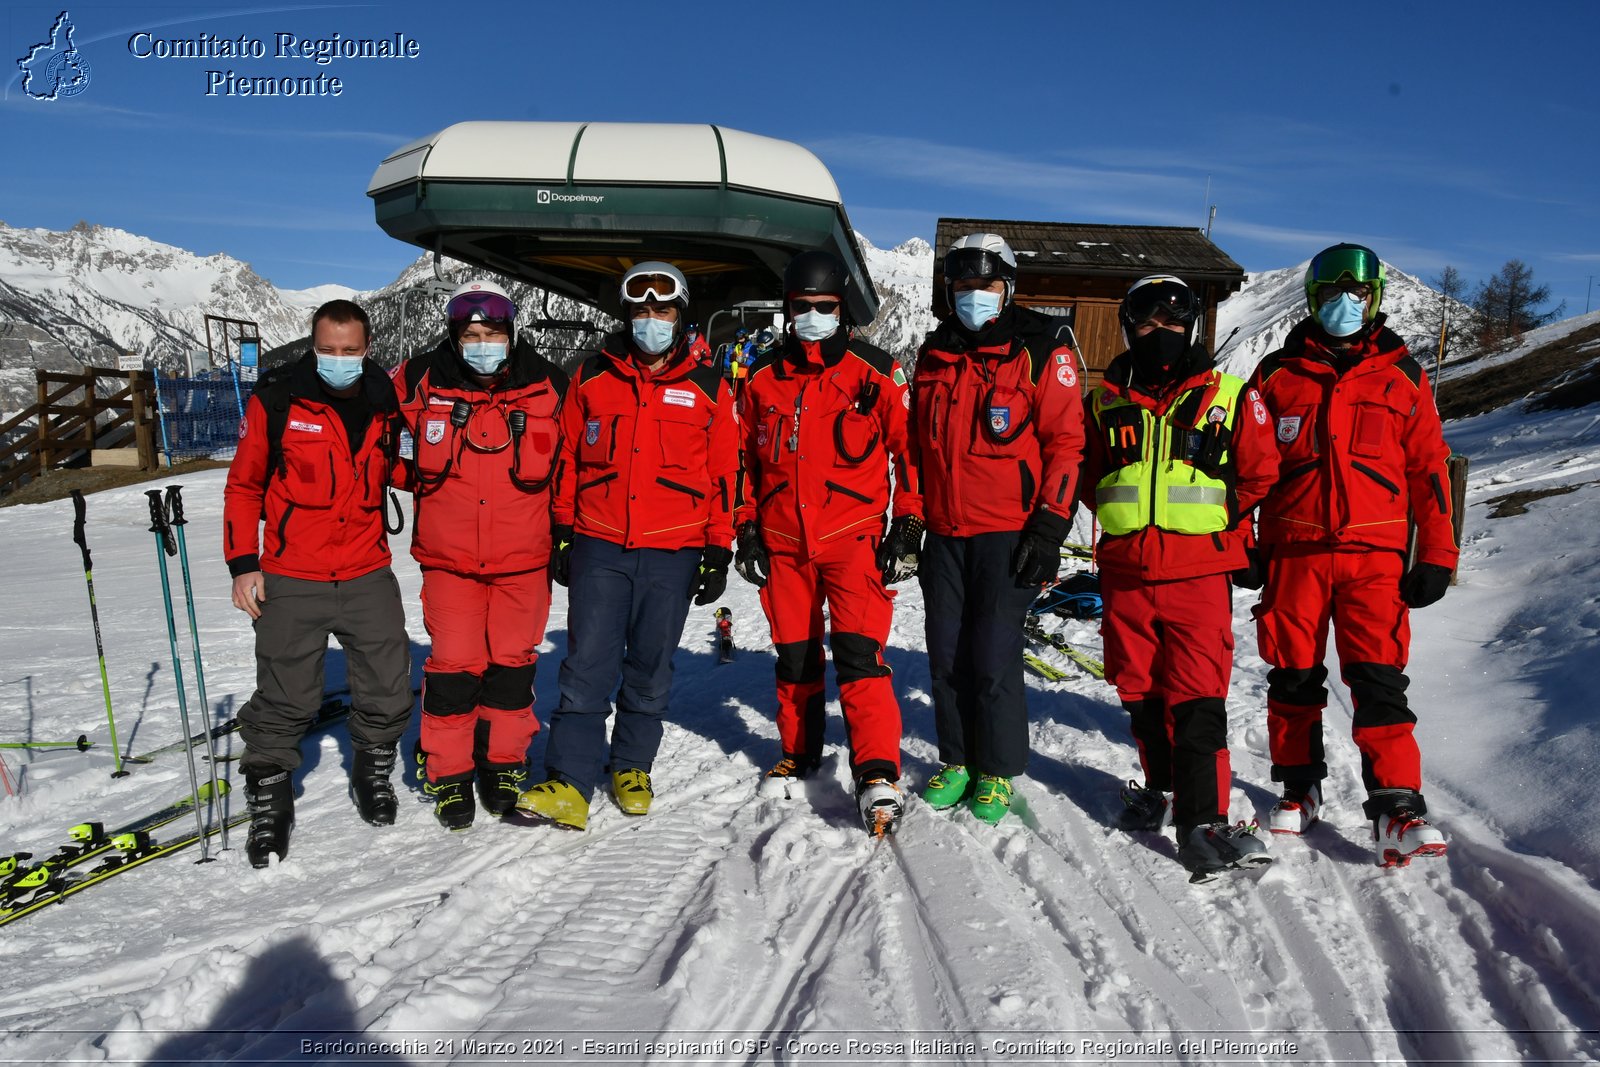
974,616
367,617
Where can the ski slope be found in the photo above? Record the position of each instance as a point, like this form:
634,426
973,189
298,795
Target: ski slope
727,929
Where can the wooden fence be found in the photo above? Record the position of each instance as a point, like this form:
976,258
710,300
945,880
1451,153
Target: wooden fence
71,419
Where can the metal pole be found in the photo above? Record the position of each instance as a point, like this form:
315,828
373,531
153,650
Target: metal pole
165,547
178,522
80,509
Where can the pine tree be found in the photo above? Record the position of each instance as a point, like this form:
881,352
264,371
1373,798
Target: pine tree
1508,304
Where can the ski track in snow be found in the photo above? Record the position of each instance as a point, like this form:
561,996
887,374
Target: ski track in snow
725,915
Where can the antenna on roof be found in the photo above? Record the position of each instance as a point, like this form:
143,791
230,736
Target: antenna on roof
1207,201
1210,218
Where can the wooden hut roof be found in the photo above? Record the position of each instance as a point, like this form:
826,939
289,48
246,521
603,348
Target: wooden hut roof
1093,249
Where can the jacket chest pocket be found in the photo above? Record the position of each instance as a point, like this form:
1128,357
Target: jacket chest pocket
597,437
684,441
535,438
434,443
855,437
1004,418
311,464
1375,428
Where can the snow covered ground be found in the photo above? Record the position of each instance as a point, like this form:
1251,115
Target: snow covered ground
751,931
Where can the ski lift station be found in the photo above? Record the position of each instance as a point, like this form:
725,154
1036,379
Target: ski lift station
570,206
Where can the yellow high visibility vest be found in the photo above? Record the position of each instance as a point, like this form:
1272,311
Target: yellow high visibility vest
1154,479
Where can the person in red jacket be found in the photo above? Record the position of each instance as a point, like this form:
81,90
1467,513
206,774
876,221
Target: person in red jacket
644,516
316,448
1178,456
998,418
482,412
1363,457
823,419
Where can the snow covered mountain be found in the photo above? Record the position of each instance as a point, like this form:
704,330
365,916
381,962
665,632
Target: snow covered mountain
95,290
1272,301
903,276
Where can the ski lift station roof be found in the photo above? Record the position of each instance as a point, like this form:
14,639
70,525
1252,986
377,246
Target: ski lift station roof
569,206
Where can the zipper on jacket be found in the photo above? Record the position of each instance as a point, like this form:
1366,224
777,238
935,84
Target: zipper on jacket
774,491
835,487
283,529
1375,476
1027,485
603,479
1292,474
696,494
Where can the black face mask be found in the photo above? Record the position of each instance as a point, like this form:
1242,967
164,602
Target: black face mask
1158,350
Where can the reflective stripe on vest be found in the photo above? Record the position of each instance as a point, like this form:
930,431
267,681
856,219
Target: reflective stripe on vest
1160,489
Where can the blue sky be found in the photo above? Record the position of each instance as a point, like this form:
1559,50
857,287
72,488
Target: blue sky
1463,134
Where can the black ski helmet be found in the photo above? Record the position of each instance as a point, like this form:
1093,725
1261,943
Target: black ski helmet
815,272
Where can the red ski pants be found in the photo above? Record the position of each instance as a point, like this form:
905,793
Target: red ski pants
477,700
1359,592
1169,652
846,576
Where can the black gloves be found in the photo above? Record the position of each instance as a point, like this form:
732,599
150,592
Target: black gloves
713,577
561,553
751,560
1424,584
1254,573
897,556
1038,554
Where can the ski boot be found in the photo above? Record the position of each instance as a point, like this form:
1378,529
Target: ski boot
1296,810
499,786
881,803
452,801
632,791
1402,836
370,787
948,787
1143,808
271,801
992,798
783,781
556,802
1210,848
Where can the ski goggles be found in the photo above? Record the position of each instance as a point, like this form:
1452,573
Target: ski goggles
963,263
480,307
1346,261
1172,299
1329,290
654,288
801,304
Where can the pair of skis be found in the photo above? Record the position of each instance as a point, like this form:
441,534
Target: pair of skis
1034,631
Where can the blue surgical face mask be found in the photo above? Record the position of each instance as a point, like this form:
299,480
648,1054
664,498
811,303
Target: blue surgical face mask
339,372
815,326
485,357
1343,315
652,335
976,307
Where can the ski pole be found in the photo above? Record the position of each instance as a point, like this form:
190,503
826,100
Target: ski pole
80,510
175,517
82,744
166,546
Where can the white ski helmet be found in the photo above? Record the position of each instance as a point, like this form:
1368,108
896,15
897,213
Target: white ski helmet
480,301
655,281
980,255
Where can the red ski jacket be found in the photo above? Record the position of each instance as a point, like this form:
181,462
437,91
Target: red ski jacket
323,507
821,423
648,461
1362,449
482,460
1249,466
998,423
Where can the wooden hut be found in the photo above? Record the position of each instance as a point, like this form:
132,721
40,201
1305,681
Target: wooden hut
1083,270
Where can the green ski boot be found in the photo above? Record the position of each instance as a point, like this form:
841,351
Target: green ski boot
949,787
992,799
